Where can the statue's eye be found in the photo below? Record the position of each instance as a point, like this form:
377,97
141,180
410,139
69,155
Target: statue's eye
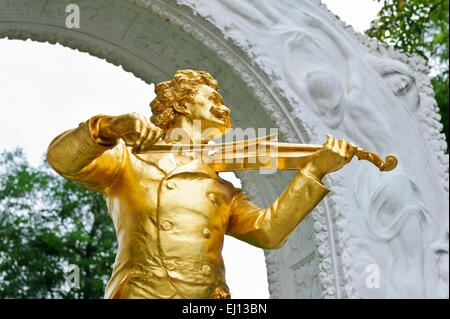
216,98
213,98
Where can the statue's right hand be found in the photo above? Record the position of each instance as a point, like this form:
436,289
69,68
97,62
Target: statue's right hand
333,155
133,128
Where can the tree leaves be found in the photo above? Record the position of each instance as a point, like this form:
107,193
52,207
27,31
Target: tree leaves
46,223
420,27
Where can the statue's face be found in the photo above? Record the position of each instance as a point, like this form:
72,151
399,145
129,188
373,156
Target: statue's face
404,87
208,106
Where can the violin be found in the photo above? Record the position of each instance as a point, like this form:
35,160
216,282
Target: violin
262,153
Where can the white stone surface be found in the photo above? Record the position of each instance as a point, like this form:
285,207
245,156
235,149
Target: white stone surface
293,65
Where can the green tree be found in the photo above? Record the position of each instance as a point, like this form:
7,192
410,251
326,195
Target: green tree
420,27
46,224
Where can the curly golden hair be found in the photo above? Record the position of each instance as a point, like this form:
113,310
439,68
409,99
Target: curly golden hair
177,91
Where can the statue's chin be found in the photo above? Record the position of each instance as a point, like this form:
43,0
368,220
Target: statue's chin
226,121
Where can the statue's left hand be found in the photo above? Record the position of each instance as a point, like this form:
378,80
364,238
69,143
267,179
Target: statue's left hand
333,155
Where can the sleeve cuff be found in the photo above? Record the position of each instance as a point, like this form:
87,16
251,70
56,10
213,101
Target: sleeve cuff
311,176
317,181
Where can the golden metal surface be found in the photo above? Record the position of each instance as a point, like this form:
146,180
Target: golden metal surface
171,210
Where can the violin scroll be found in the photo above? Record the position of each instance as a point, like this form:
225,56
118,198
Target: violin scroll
388,164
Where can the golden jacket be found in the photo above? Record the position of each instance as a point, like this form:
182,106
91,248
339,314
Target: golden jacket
171,213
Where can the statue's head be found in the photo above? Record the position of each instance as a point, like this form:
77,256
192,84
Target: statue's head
400,79
193,95
324,87
327,93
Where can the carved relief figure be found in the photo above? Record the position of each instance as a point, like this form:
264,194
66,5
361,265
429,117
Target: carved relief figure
396,216
341,107
440,253
399,78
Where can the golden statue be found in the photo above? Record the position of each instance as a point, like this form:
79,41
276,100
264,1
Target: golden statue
170,209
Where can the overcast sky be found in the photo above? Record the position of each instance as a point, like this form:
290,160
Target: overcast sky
46,89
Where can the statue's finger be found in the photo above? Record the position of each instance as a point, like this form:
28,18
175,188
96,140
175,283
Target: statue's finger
342,145
143,136
329,139
345,149
154,134
354,149
158,134
130,139
335,145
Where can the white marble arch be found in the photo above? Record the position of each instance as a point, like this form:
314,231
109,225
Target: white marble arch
273,61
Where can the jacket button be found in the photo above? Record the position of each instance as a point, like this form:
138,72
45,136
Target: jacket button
171,185
206,233
206,270
212,197
170,265
166,226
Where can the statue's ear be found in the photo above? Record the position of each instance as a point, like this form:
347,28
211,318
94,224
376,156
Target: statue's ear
182,108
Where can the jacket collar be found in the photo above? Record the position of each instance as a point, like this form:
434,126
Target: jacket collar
196,166
173,165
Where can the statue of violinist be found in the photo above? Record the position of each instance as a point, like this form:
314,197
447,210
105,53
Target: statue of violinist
171,210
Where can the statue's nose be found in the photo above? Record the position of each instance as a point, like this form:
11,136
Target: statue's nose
224,110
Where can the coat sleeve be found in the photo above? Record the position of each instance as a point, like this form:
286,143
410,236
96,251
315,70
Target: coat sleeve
82,156
270,228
